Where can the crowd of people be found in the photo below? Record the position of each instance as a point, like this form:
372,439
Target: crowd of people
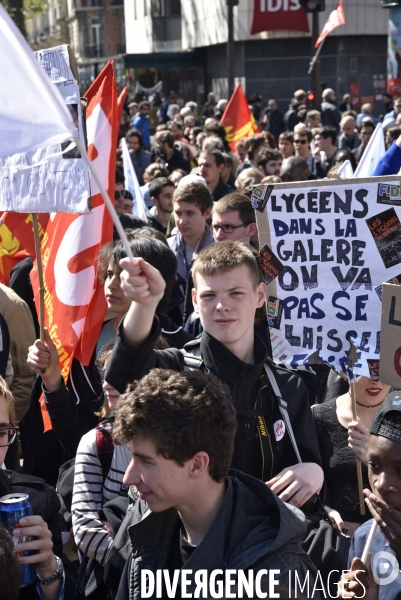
182,445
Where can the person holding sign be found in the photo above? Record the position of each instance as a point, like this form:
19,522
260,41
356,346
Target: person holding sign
340,439
384,501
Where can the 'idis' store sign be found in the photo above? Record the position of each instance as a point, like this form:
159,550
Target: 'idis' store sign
284,15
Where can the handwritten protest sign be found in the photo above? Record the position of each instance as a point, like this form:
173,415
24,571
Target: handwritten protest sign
390,360
62,183
330,246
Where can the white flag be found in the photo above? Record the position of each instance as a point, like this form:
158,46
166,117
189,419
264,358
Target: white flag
346,171
374,152
32,112
131,183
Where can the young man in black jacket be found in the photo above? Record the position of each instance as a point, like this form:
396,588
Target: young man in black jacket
192,516
227,292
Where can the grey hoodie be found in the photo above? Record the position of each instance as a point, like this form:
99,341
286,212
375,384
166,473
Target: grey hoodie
252,530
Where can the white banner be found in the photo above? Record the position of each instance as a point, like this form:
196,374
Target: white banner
326,250
132,185
62,183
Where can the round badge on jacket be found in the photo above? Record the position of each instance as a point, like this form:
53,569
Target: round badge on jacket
279,430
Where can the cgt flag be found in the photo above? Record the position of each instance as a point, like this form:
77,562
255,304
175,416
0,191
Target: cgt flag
237,119
336,18
17,241
74,299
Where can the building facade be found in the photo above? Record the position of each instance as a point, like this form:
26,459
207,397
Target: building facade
94,29
271,63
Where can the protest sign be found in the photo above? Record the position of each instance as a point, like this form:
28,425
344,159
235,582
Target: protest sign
62,183
390,359
330,245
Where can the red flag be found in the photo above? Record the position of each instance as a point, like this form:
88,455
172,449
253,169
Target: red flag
120,104
74,300
336,18
16,240
238,119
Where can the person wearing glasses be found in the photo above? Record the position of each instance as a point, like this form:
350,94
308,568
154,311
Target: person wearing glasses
233,218
52,582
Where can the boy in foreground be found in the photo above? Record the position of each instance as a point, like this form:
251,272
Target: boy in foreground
227,291
190,514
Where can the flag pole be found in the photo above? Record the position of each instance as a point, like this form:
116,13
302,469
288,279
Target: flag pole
358,462
315,57
106,199
40,275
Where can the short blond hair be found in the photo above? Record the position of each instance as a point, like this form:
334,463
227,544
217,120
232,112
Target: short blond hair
7,395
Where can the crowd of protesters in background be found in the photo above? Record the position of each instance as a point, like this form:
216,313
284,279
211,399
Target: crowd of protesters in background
199,241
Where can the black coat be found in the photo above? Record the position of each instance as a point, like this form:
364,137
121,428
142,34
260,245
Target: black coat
252,530
244,381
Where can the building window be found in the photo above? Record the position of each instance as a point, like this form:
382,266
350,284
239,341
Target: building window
166,8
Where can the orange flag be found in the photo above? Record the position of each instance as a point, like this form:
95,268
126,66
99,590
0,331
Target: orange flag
74,300
16,240
238,119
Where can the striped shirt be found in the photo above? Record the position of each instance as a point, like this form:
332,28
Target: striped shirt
91,493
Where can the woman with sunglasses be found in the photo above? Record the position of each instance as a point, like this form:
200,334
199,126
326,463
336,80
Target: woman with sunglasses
44,525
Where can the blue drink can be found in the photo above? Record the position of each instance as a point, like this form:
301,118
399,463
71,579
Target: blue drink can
14,507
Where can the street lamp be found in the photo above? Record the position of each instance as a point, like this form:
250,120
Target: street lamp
230,45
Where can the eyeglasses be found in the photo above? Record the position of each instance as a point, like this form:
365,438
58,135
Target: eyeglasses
300,141
122,194
226,228
8,435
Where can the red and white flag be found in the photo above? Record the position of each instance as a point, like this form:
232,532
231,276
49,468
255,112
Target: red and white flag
74,300
336,18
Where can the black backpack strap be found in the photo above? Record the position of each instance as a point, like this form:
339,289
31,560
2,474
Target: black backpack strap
192,356
282,404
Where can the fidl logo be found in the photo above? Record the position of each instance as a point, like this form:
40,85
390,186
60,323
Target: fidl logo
388,193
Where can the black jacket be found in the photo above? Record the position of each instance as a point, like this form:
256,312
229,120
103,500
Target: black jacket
252,530
222,189
45,503
251,393
331,114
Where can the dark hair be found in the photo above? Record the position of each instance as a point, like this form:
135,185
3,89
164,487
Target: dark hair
305,133
215,128
239,202
135,133
286,135
268,154
120,176
182,414
253,142
367,124
142,104
10,569
154,251
394,131
196,193
174,124
217,155
156,186
228,160
154,170
328,132
269,137
348,156
223,257
196,131
165,137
